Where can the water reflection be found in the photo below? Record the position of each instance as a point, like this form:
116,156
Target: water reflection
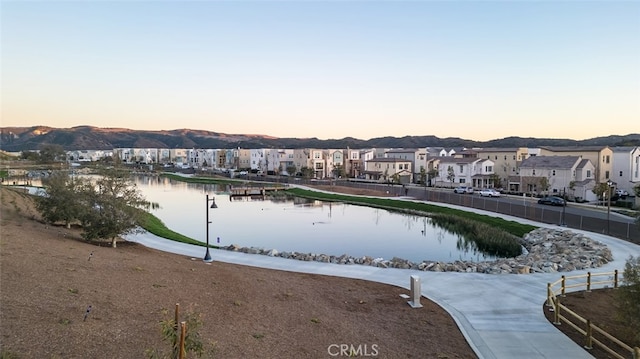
303,225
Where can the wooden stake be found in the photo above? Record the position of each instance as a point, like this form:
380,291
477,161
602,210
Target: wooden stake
183,334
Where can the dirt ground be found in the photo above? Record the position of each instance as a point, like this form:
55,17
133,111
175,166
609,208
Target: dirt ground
49,277
600,307
47,281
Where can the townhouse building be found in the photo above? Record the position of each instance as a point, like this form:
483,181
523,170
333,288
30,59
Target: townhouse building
258,160
600,156
573,175
334,163
417,156
311,160
506,162
201,158
469,171
442,152
285,159
244,159
352,162
626,167
392,170
87,155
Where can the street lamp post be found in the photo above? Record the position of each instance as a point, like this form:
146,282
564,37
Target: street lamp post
564,206
207,256
609,183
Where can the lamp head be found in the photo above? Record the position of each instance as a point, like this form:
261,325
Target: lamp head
213,203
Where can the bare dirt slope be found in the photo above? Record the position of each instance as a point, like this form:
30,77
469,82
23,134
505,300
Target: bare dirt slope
47,281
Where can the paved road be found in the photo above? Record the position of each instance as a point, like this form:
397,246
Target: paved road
500,315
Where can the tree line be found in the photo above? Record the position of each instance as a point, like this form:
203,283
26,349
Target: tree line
105,207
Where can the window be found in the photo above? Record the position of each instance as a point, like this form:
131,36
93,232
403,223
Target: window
606,174
514,157
488,168
620,173
553,173
505,157
496,157
534,172
607,159
462,180
461,169
588,173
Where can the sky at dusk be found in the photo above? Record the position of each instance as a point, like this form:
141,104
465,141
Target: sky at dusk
478,70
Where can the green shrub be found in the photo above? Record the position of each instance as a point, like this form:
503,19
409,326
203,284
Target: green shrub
628,298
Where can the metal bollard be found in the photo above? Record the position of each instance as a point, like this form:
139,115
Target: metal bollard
415,292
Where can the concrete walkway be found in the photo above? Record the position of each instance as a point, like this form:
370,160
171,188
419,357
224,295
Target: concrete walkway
501,316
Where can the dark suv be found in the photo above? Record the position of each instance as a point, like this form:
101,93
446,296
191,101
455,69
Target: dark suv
552,200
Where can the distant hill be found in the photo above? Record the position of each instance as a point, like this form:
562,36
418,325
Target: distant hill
16,139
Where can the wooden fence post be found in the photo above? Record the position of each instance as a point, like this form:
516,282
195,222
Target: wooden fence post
588,282
176,328
549,299
615,278
589,335
564,285
556,315
183,334
636,353
177,317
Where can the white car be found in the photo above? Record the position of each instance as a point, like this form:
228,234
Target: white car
489,192
463,189
622,193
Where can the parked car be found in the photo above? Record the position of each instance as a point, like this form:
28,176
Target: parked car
489,192
552,200
621,193
463,189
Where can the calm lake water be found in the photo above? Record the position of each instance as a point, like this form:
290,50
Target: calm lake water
301,225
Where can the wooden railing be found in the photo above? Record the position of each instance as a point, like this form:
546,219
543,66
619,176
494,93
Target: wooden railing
587,328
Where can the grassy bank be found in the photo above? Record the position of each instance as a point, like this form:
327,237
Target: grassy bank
154,225
512,227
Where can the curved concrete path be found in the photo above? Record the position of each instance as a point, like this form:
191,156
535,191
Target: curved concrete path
500,315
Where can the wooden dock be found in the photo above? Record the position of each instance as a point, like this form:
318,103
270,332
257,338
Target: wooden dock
253,191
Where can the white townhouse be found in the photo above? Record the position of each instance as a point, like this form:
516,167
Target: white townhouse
334,163
272,158
626,167
164,155
441,151
353,163
366,155
468,171
383,169
573,175
244,159
506,163
417,156
87,155
178,156
258,159
201,158
146,155
285,160
228,158
600,157
126,155
311,159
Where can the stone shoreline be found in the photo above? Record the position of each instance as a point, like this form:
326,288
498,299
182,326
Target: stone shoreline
546,250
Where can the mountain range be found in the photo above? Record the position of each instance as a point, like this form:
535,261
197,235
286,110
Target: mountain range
16,139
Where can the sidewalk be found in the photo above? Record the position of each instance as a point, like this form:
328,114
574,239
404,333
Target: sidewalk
501,316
